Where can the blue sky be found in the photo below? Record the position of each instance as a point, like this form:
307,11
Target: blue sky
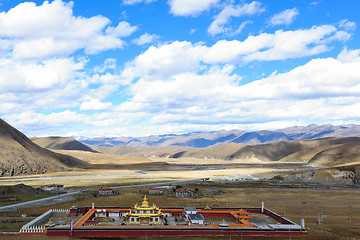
143,67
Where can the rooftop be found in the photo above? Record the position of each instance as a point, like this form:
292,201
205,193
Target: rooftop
190,208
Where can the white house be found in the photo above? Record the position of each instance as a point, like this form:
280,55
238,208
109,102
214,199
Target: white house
192,217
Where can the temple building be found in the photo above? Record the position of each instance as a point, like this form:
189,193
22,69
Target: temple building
145,214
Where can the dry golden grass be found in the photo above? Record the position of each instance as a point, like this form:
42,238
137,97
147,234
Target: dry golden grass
305,155
340,207
122,177
101,158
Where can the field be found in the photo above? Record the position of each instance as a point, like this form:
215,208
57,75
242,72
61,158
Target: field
340,208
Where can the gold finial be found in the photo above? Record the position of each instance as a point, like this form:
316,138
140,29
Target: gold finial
145,203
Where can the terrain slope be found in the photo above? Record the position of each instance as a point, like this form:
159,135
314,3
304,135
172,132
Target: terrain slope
19,155
61,143
323,151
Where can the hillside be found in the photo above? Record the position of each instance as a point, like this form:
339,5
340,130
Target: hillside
324,151
61,143
156,151
206,139
347,153
19,155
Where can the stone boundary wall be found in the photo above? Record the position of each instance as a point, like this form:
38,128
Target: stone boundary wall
32,226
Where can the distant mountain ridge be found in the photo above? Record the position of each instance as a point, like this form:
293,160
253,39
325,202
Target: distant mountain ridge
206,139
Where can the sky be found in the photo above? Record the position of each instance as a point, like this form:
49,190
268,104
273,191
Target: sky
146,67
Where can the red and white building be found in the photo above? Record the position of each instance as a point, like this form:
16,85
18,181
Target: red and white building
182,192
192,217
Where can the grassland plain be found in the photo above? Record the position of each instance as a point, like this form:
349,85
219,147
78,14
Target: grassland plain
340,208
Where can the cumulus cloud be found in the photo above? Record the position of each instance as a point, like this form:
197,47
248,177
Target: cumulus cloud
178,57
29,121
285,17
95,105
190,7
51,29
222,19
145,39
55,73
324,88
123,29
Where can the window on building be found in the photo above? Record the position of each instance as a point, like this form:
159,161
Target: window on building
138,219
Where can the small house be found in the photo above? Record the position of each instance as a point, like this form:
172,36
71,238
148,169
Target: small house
196,219
192,217
156,191
106,191
190,210
182,192
53,188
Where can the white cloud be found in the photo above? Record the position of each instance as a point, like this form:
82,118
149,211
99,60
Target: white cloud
28,121
132,2
178,57
242,26
220,21
145,39
347,25
51,29
325,88
285,17
109,64
193,30
37,76
164,61
95,105
315,3
294,44
123,29
190,7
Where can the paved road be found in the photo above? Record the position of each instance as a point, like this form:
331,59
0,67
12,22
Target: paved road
159,184
24,204
16,206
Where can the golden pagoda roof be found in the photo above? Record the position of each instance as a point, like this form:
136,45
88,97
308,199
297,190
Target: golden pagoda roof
145,203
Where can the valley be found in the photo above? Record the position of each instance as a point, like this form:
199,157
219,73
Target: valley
297,178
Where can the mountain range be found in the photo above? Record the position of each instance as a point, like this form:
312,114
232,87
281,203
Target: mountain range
206,139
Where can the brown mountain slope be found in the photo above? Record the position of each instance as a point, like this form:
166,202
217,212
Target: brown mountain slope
118,150
61,143
266,152
156,151
19,155
338,155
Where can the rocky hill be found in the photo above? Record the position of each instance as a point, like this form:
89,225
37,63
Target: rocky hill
206,139
61,143
19,155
